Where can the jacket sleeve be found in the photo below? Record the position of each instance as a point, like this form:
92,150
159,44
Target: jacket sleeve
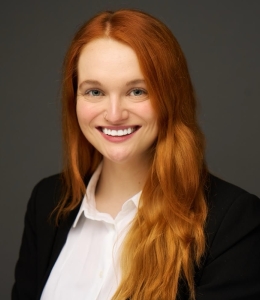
25,284
232,267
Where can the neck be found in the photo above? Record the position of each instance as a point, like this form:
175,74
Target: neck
118,183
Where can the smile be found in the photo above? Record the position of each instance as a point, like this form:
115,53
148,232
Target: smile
120,132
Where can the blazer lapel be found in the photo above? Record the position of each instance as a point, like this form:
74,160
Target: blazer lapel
60,238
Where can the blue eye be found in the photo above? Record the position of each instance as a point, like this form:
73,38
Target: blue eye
138,92
94,93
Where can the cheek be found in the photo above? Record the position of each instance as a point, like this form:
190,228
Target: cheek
85,113
149,113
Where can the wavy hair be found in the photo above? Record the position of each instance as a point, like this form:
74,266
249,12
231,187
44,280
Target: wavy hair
166,240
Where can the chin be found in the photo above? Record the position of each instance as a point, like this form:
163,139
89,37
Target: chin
118,157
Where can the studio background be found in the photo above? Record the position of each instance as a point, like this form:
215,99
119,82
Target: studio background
221,44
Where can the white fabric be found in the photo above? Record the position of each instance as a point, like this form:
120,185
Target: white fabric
88,265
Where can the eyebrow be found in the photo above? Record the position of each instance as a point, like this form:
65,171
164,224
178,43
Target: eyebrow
92,82
97,83
136,81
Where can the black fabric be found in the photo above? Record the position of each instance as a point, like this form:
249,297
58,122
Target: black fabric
230,269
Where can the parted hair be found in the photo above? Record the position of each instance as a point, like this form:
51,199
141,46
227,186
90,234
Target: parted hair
166,239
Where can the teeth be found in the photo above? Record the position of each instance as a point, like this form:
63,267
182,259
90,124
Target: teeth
120,132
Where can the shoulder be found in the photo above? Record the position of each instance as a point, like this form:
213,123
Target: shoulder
217,188
232,257
45,196
232,212
49,184
223,197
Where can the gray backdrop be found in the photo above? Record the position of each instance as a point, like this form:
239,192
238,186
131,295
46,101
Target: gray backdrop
221,43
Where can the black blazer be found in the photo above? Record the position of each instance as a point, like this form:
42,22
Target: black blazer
230,269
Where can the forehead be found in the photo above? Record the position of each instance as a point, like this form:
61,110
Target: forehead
104,47
108,57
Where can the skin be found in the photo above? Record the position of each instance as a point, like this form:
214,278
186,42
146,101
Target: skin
116,116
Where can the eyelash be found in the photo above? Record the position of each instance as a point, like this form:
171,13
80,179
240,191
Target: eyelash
144,92
90,92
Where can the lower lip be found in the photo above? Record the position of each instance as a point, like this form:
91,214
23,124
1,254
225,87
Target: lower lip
118,139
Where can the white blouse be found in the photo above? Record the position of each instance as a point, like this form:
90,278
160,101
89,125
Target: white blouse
88,265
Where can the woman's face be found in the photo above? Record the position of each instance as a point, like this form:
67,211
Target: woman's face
113,106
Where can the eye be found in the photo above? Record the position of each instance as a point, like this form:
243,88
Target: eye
138,93
94,93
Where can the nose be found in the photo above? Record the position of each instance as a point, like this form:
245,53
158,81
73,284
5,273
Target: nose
116,111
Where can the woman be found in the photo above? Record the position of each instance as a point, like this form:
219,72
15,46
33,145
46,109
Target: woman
137,215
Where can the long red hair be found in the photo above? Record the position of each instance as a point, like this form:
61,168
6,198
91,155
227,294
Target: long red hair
166,239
